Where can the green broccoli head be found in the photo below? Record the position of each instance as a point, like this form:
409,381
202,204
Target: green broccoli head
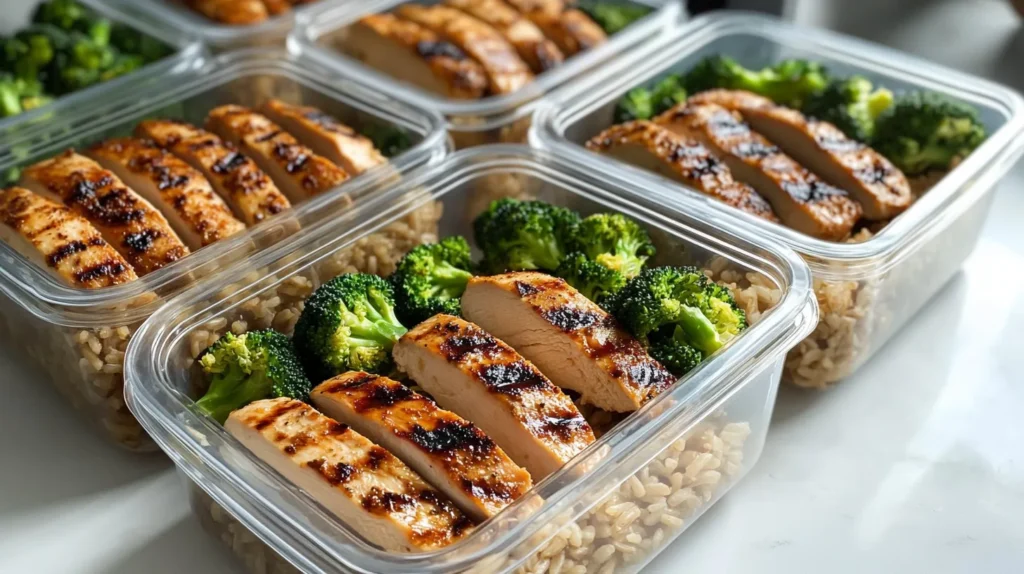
637,104
594,280
924,131
613,16
389,140
29,52
852,105
656,302
613,240
430,279
524,235
348,324
670,348
64,14
788,83
249,367
128,40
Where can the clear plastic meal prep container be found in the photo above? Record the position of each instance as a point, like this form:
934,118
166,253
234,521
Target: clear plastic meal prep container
496,119
184,51
613,507
866,291
79,336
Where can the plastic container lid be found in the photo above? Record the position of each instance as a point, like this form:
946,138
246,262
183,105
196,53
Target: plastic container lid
53,301
316,25
284,516
561,124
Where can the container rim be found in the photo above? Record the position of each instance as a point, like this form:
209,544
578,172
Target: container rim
960,187
17,128
486,113
44,295
298,528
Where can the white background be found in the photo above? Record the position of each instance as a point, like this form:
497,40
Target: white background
915,464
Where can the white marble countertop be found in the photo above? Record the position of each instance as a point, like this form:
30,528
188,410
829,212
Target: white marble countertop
915,464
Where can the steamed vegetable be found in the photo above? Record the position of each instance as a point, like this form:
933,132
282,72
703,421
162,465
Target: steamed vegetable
788,83
594,280
643,103
612,16
613,240
430,279
926,131
524,235
852,105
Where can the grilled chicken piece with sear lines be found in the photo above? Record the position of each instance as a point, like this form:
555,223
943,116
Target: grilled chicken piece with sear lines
297,170
506,71
801,199
532,45
468,371
570,29
568,337
654,147
325,135
231,12
52,236
197,214
412,53
235,177
361,483
128,222
879,186
448,451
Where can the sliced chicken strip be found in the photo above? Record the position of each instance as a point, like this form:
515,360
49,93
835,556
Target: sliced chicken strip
414,54
361,483
532,45
137,230
297,170
568,337
570,29
482,379
506,71
197,214
235,177
276,7
447,450
801,199
51,235
654,147
232,12
879,186
325,135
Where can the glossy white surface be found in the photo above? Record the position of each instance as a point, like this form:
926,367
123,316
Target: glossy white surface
916,464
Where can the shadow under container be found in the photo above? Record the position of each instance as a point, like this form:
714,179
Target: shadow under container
613,507
184,51
867,289
78,336
494,119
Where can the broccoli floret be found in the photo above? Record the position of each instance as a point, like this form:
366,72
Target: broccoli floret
524,235
637,104
389,140
613,17
128,40
249,367
18,95
788,83
348,324
430,279
656,302
613,240
64,14
852,105
667,93
595,281
924,131
121,65
670,348
31,50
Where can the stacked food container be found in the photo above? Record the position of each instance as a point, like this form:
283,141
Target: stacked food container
136,356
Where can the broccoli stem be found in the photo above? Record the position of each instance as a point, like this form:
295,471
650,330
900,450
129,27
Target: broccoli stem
448,280
230,389
699,330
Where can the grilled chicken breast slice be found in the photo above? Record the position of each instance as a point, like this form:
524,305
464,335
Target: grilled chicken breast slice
325,135
297,170
802,200
236,178
361,483
570,29
232,12
128,222
568,337
879,186
539,53
51,235
468,371
654,147
506,71
198,215
414,54
275,7
448,451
